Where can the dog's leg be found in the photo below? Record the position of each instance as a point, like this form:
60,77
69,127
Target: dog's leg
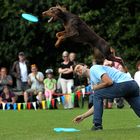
59,41
60,34
60,38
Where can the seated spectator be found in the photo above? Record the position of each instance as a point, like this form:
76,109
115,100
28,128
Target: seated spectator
7,96
49,84
5,79
35,80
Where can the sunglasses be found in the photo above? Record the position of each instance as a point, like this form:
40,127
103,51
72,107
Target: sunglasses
65,56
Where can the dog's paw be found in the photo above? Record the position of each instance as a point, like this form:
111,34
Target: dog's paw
57,44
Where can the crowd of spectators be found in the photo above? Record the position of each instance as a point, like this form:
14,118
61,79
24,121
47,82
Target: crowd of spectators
33,85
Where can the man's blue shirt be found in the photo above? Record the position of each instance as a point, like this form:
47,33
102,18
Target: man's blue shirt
96,72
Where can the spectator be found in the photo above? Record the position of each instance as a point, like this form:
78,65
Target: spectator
137,74
49,84
108,103
20,71
72,57
5,79
125,70
117,65
7,96
35,80
66,71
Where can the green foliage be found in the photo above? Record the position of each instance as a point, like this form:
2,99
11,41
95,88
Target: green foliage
116,21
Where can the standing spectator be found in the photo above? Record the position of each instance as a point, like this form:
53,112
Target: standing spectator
5,80
66,71
78,81
7,96
72,57
117,65
35,80
108,103
124,69
49,84
20,71
137,74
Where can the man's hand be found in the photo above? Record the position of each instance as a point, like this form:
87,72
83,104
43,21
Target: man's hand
78,119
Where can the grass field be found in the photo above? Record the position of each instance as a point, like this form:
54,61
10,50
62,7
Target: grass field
119,124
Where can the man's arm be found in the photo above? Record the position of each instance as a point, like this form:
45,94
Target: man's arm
106,82
13,72
80,118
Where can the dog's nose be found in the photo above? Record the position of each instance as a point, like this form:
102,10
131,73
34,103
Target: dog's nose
43,13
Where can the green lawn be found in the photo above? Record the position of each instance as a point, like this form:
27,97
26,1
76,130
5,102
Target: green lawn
119,124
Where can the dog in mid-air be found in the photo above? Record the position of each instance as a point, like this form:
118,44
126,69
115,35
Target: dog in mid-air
78,31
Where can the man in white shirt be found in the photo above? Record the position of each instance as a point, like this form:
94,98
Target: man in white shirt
20,71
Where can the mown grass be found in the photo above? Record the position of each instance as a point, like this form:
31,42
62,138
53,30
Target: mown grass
119,124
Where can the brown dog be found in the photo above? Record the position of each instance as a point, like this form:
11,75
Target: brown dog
78,31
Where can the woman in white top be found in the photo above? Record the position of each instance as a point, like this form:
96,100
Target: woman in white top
137,74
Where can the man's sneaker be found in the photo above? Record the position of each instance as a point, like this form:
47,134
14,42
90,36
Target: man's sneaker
96,128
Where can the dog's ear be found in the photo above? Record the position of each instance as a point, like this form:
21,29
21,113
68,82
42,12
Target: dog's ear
57,5
62,8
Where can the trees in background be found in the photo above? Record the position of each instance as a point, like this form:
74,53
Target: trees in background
117,21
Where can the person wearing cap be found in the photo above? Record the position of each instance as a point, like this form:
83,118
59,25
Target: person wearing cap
66,80
49,84
108,82
20,71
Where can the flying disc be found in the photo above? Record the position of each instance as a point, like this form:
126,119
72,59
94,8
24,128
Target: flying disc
30,17
66,130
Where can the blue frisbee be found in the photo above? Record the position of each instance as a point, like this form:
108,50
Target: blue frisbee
30,17
66,130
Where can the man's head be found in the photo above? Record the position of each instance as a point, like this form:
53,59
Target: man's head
21,56
81,70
